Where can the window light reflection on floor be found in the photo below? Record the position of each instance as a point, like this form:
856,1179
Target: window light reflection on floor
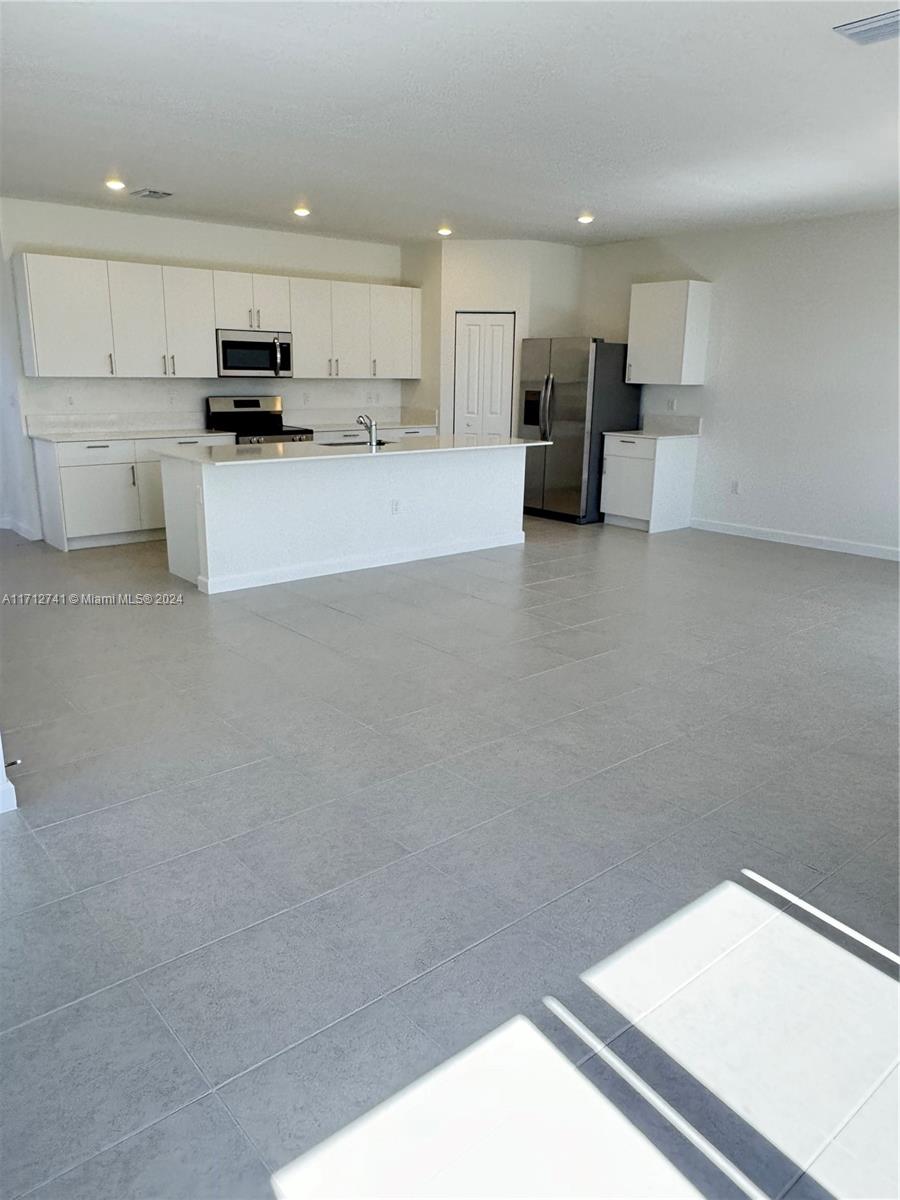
787,1029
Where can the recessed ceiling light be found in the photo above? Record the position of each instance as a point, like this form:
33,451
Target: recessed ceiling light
301,212
445,231
585,218
115,185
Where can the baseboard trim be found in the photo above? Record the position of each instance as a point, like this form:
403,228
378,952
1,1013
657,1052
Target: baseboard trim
839,545
360,562
19,527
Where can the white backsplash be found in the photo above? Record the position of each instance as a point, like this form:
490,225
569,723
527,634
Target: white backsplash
670,423
73,404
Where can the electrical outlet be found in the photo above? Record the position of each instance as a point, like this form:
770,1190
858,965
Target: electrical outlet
306,397
670,404
395,507
735,488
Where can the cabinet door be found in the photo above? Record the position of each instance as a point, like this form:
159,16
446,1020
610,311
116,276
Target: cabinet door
655,332
272,302
392,342
234,300
150,495
100,499
311,328
351,339
69,305
627,487
190,322
138,320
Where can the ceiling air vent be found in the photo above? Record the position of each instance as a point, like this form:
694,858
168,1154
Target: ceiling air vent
872,29
151,194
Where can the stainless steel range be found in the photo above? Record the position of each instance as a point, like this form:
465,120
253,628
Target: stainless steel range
252,419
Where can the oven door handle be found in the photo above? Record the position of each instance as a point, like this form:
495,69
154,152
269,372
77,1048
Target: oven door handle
277,356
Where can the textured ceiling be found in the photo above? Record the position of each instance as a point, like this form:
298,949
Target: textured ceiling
502,119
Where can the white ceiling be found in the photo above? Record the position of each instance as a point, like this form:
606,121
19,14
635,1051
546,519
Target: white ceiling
503,119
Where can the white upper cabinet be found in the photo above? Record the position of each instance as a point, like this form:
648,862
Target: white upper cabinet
89,317
311,328
138,320
668,330
392,331
190,321
351,340
245,301
272,302
234,300
64,316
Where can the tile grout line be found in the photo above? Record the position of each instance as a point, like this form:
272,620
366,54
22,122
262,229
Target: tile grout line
111,1146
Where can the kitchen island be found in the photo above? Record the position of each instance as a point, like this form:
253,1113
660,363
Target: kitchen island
246,516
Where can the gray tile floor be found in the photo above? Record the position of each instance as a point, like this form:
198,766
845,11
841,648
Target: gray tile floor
281,852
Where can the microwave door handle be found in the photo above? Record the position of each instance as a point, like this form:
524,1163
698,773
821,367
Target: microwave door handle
277,356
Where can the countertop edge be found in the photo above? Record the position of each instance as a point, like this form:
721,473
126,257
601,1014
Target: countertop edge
319,453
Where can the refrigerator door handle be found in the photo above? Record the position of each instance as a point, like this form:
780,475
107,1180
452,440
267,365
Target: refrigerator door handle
551,383
542,410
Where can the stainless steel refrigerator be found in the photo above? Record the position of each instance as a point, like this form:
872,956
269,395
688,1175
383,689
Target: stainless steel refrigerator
572,389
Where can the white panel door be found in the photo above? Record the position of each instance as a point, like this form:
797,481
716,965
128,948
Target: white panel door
138,320
484,374
272,302
311,328
392,331
190,322
100,499
234,300
69,300
351,339
627,487
150,494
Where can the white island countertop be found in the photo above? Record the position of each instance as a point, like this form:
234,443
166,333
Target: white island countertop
222,456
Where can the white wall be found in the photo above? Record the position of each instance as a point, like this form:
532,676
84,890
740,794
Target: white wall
538,281
422,267
800,404
66,229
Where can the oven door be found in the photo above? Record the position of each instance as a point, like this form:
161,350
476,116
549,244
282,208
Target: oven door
255,353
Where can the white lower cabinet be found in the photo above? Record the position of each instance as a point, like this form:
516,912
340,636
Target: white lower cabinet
100,499
150,495
648,482
101,492
628,487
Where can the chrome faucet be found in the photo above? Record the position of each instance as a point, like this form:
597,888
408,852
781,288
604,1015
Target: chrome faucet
370,427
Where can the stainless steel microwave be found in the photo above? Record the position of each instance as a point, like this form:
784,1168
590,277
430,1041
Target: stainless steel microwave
258,353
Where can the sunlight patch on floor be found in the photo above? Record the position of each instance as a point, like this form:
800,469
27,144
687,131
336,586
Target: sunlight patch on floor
508,1117
788,1029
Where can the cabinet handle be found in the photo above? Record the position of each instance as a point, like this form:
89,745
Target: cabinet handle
112,365
628,373
337,366
257,318
165,365
374,367
99,446
172,356
133,476
329,368
250,314
627,441
192,442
